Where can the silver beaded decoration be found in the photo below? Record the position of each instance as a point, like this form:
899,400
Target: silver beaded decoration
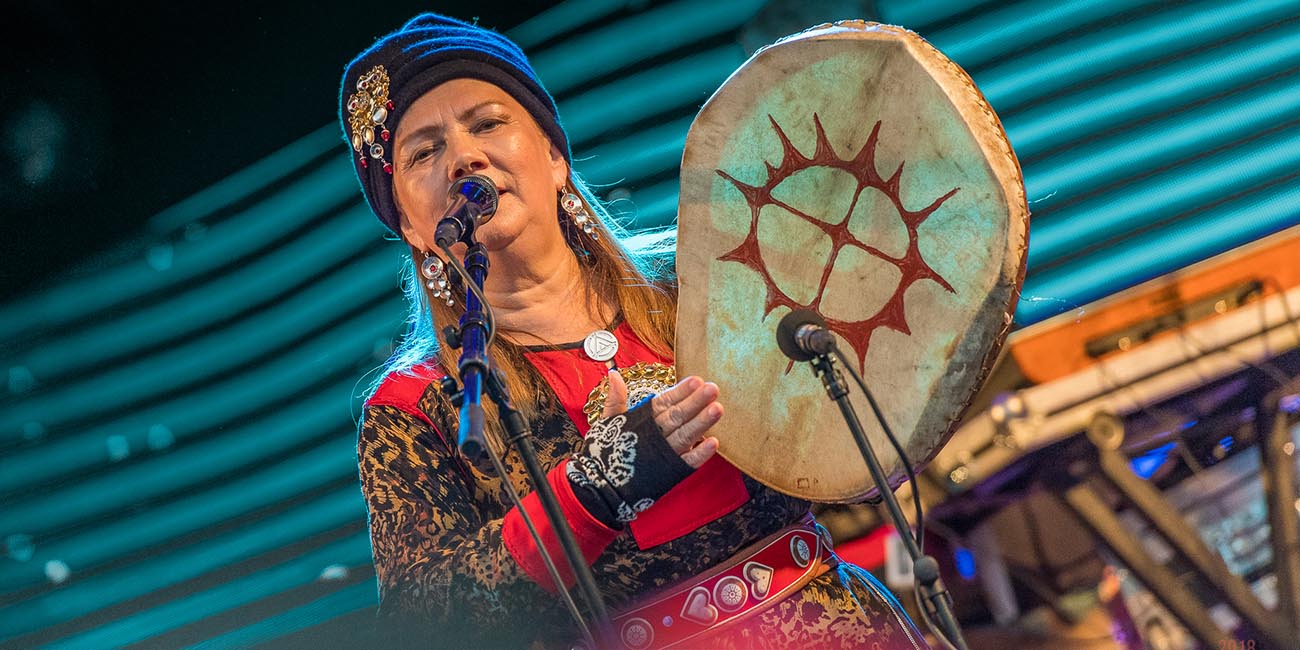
578,212
434,271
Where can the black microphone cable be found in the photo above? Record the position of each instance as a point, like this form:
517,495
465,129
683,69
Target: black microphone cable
922,606
499,466
893,441
570,604
797,348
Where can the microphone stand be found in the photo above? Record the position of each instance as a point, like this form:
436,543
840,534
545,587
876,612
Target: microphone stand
925,568
474,361
477,373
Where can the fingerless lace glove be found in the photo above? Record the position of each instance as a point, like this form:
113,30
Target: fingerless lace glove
624,465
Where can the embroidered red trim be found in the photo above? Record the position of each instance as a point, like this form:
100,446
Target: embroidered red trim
748,583
592,535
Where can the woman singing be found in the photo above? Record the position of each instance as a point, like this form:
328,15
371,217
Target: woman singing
684,548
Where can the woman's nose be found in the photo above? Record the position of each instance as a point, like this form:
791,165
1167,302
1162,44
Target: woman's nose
467,158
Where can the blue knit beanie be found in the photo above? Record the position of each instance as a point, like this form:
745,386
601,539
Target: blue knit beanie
381,83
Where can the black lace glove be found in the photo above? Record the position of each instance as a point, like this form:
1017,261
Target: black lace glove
624,465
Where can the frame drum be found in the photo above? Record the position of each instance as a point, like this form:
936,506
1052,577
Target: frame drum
851,169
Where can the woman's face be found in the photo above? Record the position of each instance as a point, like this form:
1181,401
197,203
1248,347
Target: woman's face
467,126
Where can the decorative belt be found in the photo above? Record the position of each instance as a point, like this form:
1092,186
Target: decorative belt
748,583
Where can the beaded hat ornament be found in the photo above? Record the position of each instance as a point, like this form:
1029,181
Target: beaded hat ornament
368,110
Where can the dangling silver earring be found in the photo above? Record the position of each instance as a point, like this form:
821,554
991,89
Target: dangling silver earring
578,212
434,271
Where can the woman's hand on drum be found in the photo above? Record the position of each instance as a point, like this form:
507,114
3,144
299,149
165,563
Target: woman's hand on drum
685,413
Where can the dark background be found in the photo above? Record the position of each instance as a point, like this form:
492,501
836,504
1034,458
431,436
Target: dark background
111,112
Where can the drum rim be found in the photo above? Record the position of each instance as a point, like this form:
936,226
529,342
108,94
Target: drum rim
1004,167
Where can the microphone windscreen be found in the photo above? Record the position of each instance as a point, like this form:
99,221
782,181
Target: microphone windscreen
480,191
789,326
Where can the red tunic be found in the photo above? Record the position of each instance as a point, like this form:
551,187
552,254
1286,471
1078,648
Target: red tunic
453,556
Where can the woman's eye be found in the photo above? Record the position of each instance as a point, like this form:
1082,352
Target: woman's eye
422,154
488,125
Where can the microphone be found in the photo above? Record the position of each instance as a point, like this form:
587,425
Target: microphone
802,335
473,202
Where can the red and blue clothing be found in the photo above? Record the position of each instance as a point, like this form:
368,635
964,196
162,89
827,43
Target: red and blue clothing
454,560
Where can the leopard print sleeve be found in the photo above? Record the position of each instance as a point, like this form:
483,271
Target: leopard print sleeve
438,549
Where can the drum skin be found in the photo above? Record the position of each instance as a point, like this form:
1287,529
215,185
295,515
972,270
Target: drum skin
854,170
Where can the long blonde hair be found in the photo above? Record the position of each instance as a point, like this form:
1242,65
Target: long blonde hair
633,272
